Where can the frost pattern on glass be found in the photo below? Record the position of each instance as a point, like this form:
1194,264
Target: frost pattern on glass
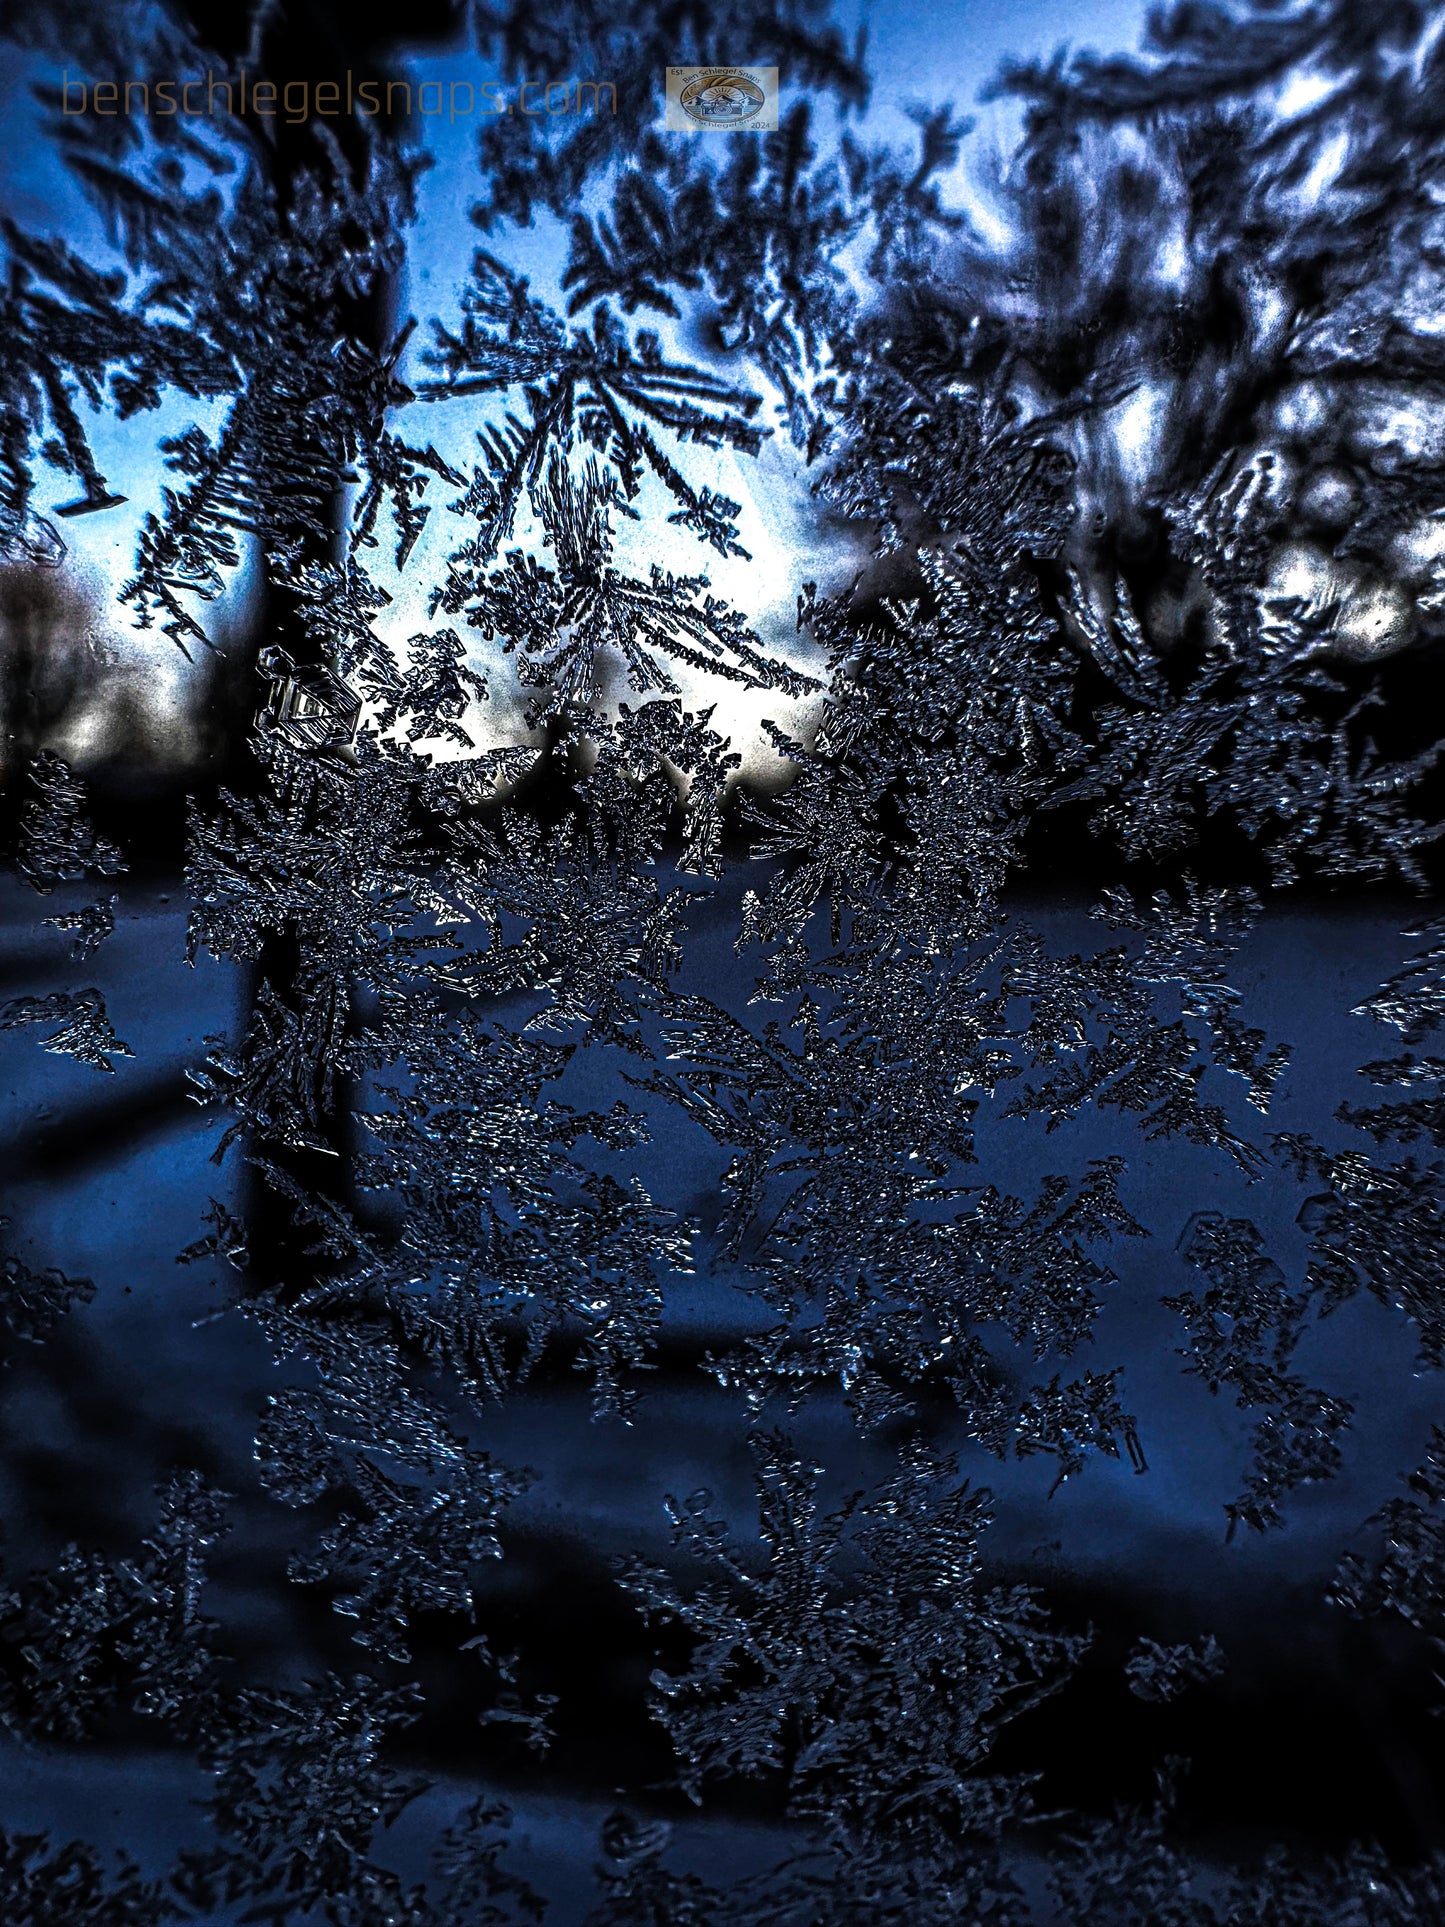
912,1116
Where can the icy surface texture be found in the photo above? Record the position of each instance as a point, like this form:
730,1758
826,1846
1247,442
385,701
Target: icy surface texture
954,1152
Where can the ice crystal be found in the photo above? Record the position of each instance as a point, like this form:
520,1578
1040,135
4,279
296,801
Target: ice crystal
1141,1065
307,708
43,1882
55,301
1412,1002
479,1892
564,618
405,1543
307,398
871,1663
300,1792
636,1886
56,841
89,927
1125,1872
1242,1333
1407,1575
33,1302
594,383
1161,1673
83,1030
97,1634
1377,1227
